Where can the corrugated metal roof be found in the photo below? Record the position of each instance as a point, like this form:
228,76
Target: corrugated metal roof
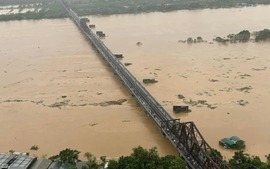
41,164
13,161
235,139
227,141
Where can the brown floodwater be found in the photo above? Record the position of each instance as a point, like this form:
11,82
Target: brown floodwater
53,85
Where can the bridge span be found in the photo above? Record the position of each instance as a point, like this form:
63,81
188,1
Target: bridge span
185,136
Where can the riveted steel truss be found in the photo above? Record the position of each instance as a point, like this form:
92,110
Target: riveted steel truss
189,140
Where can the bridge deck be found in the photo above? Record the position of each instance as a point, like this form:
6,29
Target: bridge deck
184,136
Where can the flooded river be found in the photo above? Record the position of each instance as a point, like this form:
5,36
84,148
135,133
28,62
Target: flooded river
55,92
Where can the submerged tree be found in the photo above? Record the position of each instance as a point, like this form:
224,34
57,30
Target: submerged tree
242,36
67,156
245,161
147,159
262,35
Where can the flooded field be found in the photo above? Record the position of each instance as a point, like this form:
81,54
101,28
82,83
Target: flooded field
57,93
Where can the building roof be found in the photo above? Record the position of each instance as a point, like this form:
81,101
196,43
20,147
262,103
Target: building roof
20,161
41,164
14,161
59,165
227,141
235,139
55,165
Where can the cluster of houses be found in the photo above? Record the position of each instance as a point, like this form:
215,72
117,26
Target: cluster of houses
233,142
23,161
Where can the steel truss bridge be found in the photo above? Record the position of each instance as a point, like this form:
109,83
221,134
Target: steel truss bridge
185,136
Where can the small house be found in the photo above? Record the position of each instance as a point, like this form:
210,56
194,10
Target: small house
226,143
233,142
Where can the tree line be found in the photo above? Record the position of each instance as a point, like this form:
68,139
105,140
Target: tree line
142,158
245,36
106,7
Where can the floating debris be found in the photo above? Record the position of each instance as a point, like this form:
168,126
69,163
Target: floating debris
259,69
180,96
148,81
139,43
59,104
245,89
127,64
93,124
213,80
199,103
242,102
119,56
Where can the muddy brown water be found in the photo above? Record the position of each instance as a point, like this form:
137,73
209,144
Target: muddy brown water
54,87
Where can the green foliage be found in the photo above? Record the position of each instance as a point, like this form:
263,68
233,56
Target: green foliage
221,40
262,35
245,161
103,161
239,145
91,161
172,162
106,7
215,155
72,167
113,164
189,40
268,159
54,158
52,8
34,147
67,156
147,159
242,36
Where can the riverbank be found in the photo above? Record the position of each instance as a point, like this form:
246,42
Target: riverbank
22,10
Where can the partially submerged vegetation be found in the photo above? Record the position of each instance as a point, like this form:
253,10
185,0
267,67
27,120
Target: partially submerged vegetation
191,40
245,36
263,35
53,9
241,37
34,147
142,158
